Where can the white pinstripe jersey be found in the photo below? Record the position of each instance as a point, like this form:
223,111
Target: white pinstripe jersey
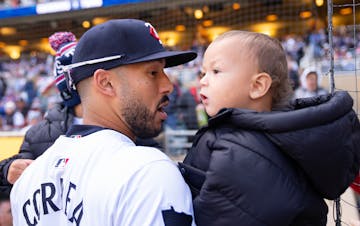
101,179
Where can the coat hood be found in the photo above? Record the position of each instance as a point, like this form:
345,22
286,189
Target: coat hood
321,134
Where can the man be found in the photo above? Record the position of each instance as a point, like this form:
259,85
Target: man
95,175
57,120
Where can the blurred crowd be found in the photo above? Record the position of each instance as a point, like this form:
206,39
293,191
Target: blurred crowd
20,3
27,87
313,50
26,91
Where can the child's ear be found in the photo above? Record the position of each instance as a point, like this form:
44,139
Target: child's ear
102,79
260,85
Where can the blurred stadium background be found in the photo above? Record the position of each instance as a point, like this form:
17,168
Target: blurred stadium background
26,58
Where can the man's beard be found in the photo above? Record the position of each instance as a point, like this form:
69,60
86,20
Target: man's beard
140,119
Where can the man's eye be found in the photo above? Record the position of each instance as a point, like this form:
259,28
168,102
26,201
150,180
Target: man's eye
153,73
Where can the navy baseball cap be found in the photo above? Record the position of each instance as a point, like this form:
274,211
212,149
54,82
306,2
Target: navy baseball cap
120,42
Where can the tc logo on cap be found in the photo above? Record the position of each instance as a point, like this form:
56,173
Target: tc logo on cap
153,32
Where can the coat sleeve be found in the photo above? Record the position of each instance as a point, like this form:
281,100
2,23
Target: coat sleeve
243,187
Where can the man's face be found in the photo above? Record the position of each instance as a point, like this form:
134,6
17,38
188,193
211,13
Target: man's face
143,93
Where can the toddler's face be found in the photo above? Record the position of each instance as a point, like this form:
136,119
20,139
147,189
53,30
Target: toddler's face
227,71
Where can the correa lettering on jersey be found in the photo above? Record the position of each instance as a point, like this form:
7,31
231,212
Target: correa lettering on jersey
45,197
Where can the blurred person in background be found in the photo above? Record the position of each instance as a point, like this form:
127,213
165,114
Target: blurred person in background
293,69
30,88
310,84
13,119
187,109
22,106
56,122
5,210
3,87
172,121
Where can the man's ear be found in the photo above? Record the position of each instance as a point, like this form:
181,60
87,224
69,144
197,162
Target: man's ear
260,85
103,83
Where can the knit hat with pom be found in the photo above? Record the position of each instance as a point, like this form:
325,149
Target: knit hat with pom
64,44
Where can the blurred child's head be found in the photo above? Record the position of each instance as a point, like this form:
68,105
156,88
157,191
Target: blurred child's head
244,70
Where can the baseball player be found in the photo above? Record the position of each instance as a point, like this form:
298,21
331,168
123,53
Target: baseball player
95,174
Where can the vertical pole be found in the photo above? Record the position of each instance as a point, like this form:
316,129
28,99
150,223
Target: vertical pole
330,35
332,87
338,212
355,58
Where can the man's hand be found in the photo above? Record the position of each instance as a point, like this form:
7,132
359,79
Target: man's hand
16,168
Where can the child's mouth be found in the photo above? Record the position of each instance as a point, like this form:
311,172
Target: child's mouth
203,98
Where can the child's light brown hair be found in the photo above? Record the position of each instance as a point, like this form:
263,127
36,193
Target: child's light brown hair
269,57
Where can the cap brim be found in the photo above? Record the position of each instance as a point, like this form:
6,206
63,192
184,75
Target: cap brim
173,58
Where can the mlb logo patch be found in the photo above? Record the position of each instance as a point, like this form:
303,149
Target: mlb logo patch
61,162
75,136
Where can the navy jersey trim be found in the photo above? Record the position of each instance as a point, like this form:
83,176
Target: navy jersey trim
173,218
83,130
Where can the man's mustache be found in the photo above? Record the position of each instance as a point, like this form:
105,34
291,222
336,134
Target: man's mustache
163,100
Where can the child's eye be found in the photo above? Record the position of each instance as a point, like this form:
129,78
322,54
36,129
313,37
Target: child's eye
215,71
201,75
153,73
